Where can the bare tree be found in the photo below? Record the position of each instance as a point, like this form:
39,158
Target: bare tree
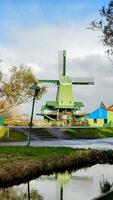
105,26
15,88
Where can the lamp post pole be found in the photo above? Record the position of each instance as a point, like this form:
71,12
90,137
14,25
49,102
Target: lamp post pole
31,120
37,90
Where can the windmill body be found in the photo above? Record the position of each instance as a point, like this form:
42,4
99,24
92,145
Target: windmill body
64,105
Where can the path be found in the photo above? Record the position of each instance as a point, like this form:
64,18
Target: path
105,143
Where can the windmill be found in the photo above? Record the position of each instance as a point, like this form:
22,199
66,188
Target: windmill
64,105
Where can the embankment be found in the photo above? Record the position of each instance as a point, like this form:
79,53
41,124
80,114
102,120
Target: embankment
21,164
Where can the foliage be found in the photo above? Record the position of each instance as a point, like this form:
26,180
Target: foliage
105,26
80,122
17,122
15,89
74,122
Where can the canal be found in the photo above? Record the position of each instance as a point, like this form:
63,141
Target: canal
83,184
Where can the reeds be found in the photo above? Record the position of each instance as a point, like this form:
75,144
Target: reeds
105,185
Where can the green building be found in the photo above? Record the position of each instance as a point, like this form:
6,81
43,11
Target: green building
64,105
100,118
2,121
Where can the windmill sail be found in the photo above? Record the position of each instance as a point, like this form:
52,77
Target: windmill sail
48,81
83,81
62,63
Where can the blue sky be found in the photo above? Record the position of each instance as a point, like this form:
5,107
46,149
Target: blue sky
29,12
32,32
46,11
36,12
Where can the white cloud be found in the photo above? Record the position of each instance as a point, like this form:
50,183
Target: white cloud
38,47
41,43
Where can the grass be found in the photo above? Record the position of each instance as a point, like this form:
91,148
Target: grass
89,133
14,136
21,164
108,196
36,152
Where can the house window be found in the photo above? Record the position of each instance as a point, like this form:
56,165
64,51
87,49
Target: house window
105,121
95,121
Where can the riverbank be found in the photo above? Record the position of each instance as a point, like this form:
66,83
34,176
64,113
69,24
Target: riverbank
20,134
21,164
107,196
89,133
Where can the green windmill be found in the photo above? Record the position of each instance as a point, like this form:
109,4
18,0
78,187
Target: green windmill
64,105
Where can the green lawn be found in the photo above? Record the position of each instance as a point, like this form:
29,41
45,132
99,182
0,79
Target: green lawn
89,133
14,136
36,152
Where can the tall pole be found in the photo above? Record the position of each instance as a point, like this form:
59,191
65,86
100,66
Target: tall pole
31,120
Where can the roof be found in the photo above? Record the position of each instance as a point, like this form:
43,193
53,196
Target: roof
109,108
100,113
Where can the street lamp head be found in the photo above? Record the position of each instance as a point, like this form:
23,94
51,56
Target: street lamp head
36,89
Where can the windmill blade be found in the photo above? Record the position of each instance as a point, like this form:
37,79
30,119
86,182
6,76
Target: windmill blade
49,81
62,63
83,81
47,85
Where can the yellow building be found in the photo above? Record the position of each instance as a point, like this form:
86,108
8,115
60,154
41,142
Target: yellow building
100,118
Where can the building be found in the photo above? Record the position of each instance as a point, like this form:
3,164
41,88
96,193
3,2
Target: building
2,121
100,117
109,108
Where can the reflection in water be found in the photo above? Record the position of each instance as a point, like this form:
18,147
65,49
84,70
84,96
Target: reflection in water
61,193
33,194
15,194
29,196
82,185
63,179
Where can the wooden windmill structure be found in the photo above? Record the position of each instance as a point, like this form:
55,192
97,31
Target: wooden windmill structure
64,105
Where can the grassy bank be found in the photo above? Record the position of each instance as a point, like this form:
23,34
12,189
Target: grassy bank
108,196
11,135
20,164
89,133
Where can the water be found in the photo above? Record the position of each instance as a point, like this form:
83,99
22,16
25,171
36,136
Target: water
79,185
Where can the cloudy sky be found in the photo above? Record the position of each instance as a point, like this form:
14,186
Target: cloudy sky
32,32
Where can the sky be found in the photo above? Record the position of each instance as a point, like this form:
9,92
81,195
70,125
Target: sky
33,31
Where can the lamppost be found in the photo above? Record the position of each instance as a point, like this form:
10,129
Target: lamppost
36,89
